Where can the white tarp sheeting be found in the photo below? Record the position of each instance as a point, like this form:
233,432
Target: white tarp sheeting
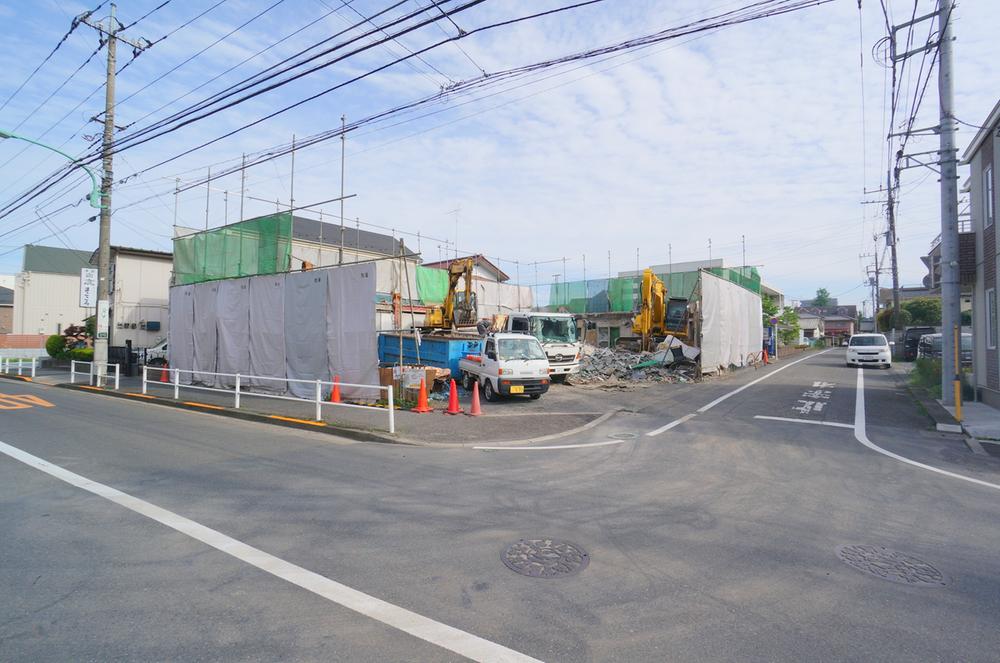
731,325
350,328
180,348
206,336
233,305
305,331
267,331
302,325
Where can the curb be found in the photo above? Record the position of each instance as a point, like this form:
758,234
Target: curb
273,420
544,438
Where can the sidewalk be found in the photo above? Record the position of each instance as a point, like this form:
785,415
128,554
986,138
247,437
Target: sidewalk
506,421
979,421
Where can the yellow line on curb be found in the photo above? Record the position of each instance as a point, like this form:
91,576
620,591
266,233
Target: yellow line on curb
204,405
140,396
85,386
297,421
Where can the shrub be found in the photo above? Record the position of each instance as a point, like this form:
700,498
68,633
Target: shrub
81,354
55,345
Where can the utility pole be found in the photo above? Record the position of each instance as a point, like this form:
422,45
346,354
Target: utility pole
109,31
343,147
948,161
890,238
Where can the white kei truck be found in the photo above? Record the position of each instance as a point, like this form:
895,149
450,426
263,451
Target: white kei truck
507,365
557,334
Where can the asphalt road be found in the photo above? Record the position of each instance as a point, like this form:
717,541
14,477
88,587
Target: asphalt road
714,539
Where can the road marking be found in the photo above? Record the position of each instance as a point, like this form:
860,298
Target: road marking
556,446
706,408
22,401
861,435
675,422
442,635
804,421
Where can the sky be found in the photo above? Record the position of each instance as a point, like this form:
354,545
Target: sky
760,137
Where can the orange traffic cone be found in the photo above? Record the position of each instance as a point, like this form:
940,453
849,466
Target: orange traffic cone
164,377
765,356
422,405
474,411
335,394
453,400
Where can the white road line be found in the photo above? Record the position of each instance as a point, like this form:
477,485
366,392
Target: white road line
706,408
861,435
442,635
555,446
675,422
804,421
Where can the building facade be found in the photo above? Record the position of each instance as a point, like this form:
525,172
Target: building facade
982,158
140,295
47,290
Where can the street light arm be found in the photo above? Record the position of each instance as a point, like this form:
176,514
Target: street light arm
95,193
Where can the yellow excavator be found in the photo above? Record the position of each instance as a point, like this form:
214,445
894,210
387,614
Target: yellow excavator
459,308
657,316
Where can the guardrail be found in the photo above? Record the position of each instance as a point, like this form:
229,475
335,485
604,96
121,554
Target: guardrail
5,365
238,390
73,372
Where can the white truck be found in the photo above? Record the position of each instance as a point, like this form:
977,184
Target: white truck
557,334
507,365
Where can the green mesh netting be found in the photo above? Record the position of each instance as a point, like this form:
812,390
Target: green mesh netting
432,285
256,246
621,295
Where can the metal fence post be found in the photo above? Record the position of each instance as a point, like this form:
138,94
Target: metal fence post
118,372
20,363
177,383
72,372
237,404
144,367
33,359
319,401
392,413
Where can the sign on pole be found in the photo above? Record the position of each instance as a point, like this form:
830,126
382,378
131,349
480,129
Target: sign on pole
103,317
88,287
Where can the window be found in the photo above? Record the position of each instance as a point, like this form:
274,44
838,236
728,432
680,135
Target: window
988,197
870,340
991,318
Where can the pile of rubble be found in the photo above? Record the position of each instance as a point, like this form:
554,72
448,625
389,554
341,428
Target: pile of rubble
615,366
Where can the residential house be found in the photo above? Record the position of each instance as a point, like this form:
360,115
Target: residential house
811,327
838,327
140,291
483,268
47,290
983,158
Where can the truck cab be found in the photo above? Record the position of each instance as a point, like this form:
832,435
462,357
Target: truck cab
507,365
558,336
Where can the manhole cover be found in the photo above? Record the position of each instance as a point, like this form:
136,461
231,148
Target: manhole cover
891,565
545,558
623,436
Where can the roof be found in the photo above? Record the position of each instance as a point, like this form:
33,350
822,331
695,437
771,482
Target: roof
806,314
984,131
308,230
53,260
838,318
139,253
478,259
6,296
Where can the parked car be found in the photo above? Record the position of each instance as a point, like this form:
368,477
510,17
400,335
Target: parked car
870,349
156,355
911,338
930,347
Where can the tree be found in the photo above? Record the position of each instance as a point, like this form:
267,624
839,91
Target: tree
923,310
769,309
55,345
788,326
822,297
885,319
